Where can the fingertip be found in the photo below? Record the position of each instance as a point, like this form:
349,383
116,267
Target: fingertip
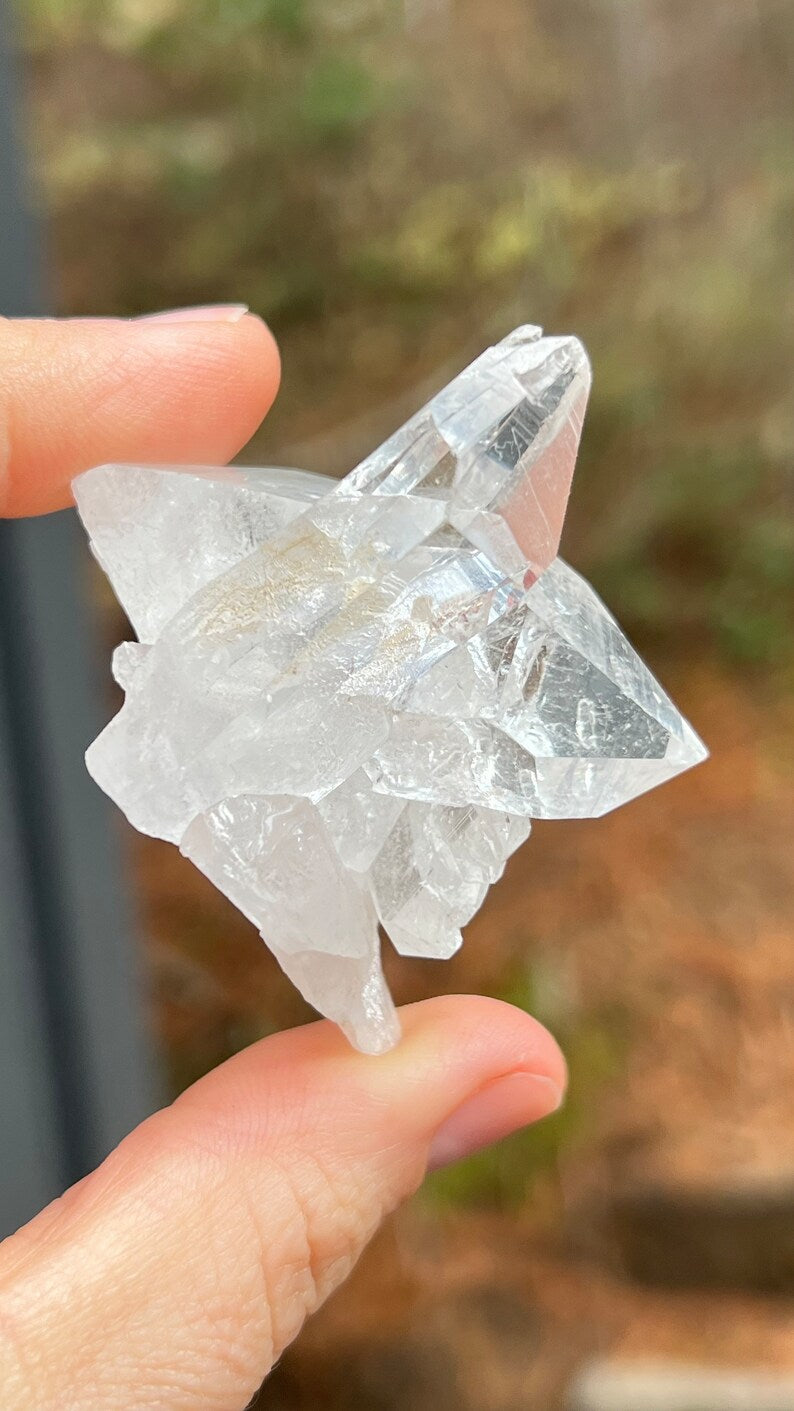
261,362
493,1068
78,393
486,1034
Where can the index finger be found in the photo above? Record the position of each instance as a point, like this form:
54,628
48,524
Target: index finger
190,386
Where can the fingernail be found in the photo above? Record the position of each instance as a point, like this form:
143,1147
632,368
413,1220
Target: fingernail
501,1107
202,313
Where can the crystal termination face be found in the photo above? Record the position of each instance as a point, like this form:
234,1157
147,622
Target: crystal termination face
348,699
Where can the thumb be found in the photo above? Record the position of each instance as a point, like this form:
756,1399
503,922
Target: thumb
174,1276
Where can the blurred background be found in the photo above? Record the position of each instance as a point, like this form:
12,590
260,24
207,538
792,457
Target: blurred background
393,184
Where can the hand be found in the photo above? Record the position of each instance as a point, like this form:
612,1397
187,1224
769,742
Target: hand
174,1275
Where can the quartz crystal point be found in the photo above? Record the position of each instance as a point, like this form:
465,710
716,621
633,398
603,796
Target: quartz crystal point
348,699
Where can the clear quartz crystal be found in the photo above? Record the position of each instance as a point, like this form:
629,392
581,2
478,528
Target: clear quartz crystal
348,700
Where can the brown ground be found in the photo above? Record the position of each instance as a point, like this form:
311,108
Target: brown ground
658,942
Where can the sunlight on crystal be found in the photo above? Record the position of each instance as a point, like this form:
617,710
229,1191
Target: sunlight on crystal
348,700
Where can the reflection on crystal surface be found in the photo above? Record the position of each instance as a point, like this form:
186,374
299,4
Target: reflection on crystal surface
348,700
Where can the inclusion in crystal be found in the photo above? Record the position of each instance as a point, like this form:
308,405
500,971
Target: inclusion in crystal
348,700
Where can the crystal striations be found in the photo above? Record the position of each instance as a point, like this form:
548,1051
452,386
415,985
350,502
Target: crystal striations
348,700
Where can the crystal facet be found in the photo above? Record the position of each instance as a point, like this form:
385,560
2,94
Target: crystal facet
348,699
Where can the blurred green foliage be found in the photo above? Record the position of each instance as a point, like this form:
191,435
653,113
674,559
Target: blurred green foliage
392,184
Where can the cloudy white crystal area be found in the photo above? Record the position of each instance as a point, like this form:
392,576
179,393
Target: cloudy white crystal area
348,700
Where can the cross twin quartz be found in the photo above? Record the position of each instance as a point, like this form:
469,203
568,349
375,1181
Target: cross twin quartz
348,699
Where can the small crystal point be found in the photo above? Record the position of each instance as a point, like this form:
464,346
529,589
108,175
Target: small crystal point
348,700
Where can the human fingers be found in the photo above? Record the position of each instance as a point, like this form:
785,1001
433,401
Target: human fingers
189,386
174,1276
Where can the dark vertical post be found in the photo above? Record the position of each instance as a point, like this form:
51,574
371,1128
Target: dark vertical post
75,1063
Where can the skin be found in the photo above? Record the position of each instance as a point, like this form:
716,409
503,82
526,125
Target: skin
175,1274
